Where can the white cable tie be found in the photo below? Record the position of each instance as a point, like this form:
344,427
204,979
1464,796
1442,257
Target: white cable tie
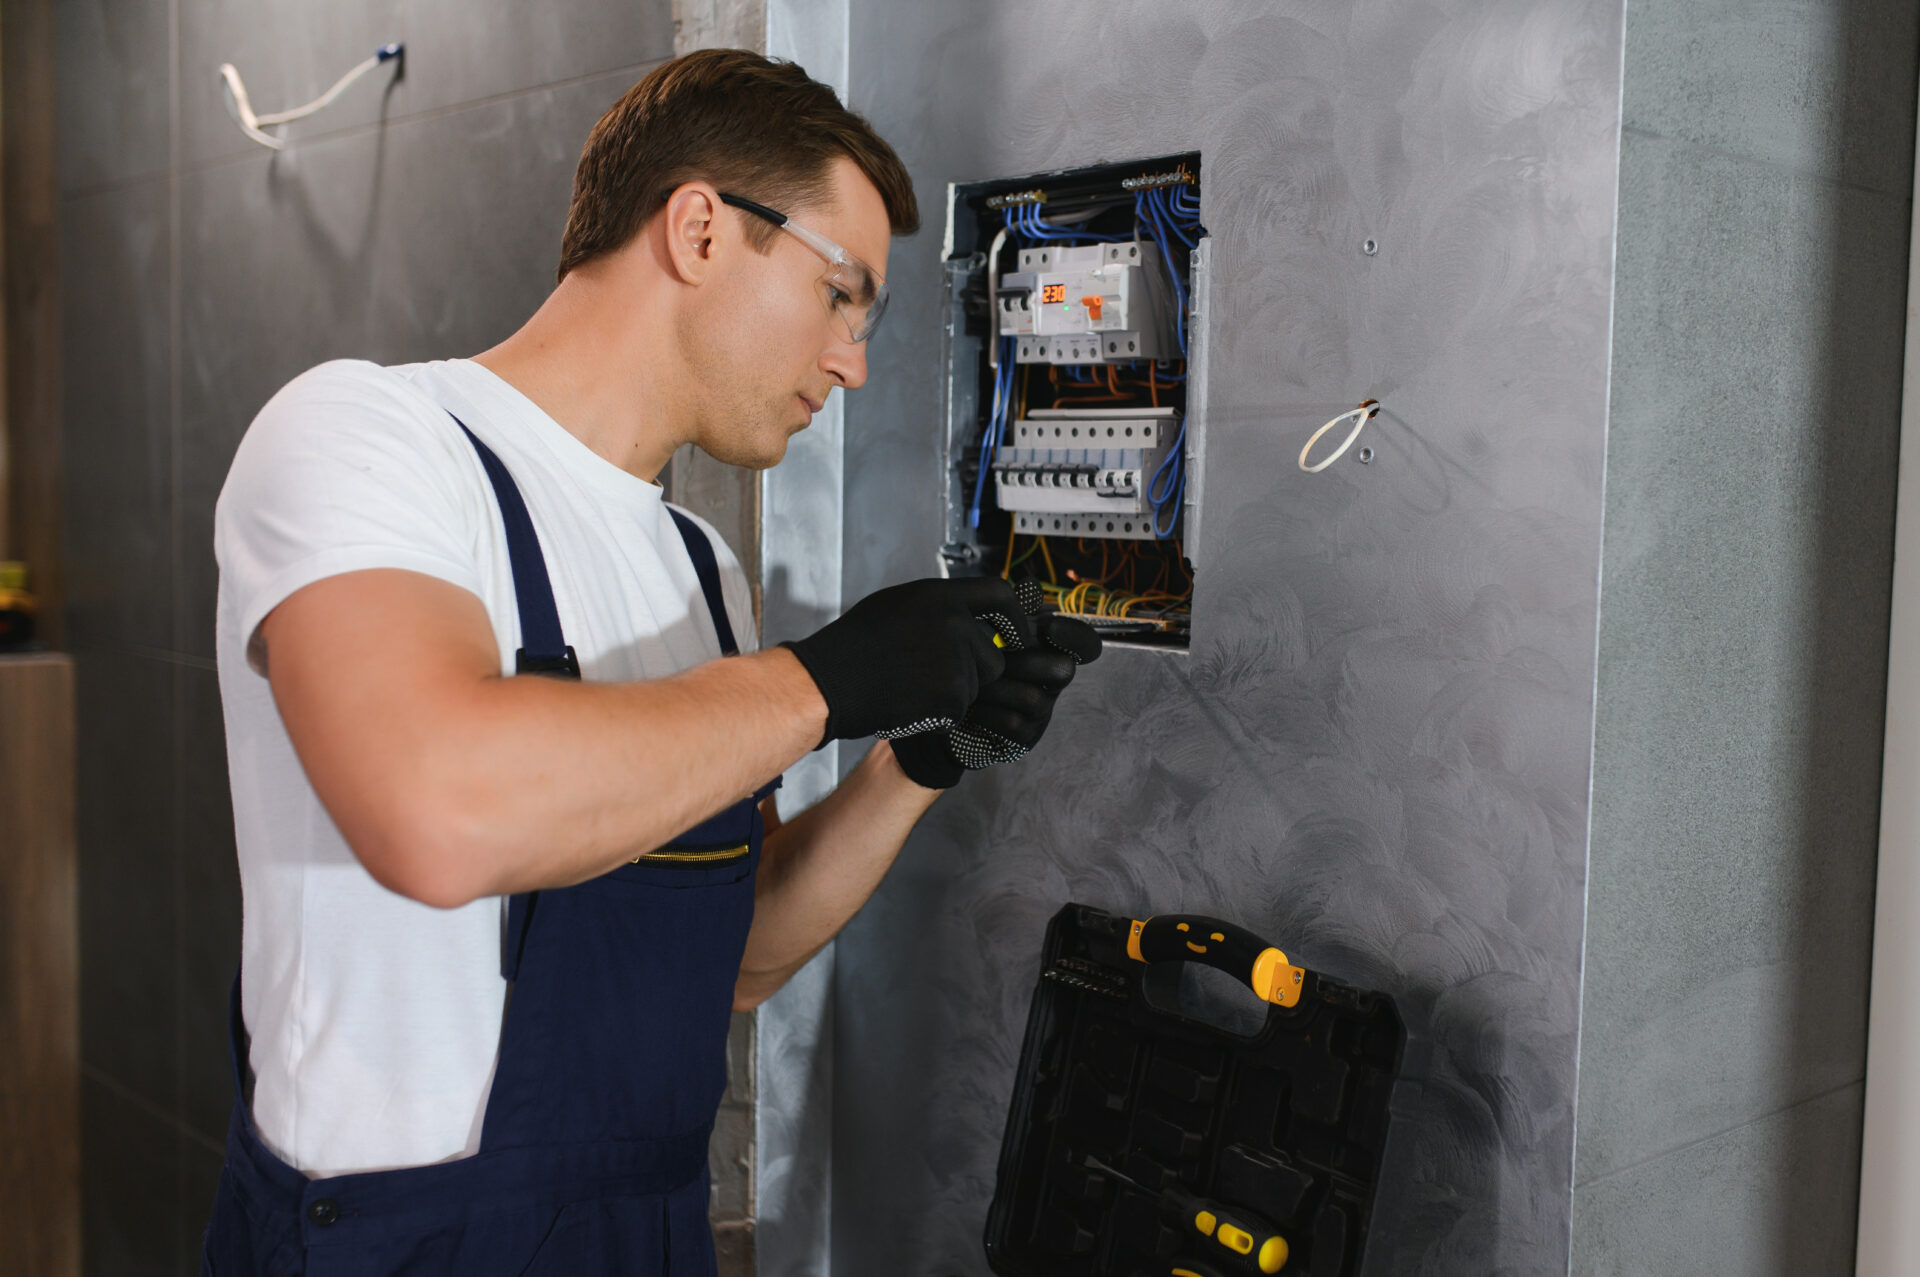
254,126
1361,415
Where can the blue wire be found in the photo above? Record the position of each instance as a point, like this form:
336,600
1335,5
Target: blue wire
1032,227
1141,205
1184,202
1167,488
996,427
1025,218
1163,212
1042,230
1181,223
1171,507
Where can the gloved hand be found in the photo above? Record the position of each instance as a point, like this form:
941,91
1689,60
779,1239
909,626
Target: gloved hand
911,652
1012,711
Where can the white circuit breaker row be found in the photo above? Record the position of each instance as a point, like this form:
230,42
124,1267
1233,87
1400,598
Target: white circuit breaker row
1095,304
1084,471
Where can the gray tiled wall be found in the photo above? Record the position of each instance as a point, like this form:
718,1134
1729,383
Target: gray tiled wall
419,218
1376,753
1766,178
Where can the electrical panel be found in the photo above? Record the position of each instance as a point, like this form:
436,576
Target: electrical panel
1074,404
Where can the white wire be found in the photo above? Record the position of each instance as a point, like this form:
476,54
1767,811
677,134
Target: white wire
254,126
993,300
1361,415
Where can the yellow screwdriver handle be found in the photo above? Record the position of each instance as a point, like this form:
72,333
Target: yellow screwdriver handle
1256,1248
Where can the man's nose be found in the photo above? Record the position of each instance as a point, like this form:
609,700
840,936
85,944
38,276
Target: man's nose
846,363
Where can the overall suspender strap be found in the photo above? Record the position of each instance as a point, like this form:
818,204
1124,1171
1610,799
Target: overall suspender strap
707,568
543,648
700,550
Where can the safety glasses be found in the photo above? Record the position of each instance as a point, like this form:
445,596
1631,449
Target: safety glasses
857,293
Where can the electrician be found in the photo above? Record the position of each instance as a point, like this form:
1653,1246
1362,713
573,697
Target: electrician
494,925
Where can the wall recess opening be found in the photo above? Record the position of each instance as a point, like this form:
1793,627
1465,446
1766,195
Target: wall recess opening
1075,397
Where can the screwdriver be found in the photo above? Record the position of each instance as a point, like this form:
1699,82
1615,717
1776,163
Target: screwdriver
1194,1268
1253,1244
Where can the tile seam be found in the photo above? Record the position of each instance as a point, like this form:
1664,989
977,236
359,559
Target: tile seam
108,1082
1726,1130
133,181
1581,972
116,647
1743,157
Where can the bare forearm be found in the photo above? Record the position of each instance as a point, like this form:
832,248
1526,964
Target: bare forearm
527,783
819,868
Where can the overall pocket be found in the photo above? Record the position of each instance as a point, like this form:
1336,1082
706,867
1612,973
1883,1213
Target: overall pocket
678,867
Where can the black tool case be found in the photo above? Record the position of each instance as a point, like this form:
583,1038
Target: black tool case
1286,1125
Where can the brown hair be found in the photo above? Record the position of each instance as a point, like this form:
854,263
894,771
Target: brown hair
753,126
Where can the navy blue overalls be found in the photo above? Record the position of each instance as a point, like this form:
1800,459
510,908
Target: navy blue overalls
593,1150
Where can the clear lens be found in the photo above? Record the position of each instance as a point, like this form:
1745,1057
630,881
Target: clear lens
859,292
874,312
858,297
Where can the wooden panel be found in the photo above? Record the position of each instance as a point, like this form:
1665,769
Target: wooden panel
40,978
29,261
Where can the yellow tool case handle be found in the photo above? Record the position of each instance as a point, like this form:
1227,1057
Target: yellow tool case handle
1212,942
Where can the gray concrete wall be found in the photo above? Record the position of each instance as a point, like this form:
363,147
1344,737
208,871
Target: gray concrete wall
1377,752
200,273
1766,176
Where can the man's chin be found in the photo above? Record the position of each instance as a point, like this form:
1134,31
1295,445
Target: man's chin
777,448
762,457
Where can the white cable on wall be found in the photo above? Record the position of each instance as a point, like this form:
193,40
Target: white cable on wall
1360,417
255,126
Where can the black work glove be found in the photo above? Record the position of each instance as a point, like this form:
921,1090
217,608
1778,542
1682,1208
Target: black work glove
912,652
1012,712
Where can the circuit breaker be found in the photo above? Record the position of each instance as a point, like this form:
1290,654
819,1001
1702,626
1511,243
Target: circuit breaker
1094,304
1084,472
1076,355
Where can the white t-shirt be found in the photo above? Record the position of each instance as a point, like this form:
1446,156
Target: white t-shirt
376,1020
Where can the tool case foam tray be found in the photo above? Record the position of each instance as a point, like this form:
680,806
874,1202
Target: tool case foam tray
1121,1105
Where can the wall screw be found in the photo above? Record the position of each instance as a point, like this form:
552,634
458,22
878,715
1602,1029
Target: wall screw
1366,456
1370,247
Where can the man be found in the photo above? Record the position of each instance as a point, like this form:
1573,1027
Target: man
505,824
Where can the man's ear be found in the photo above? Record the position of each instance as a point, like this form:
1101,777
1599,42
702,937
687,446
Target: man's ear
690,217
